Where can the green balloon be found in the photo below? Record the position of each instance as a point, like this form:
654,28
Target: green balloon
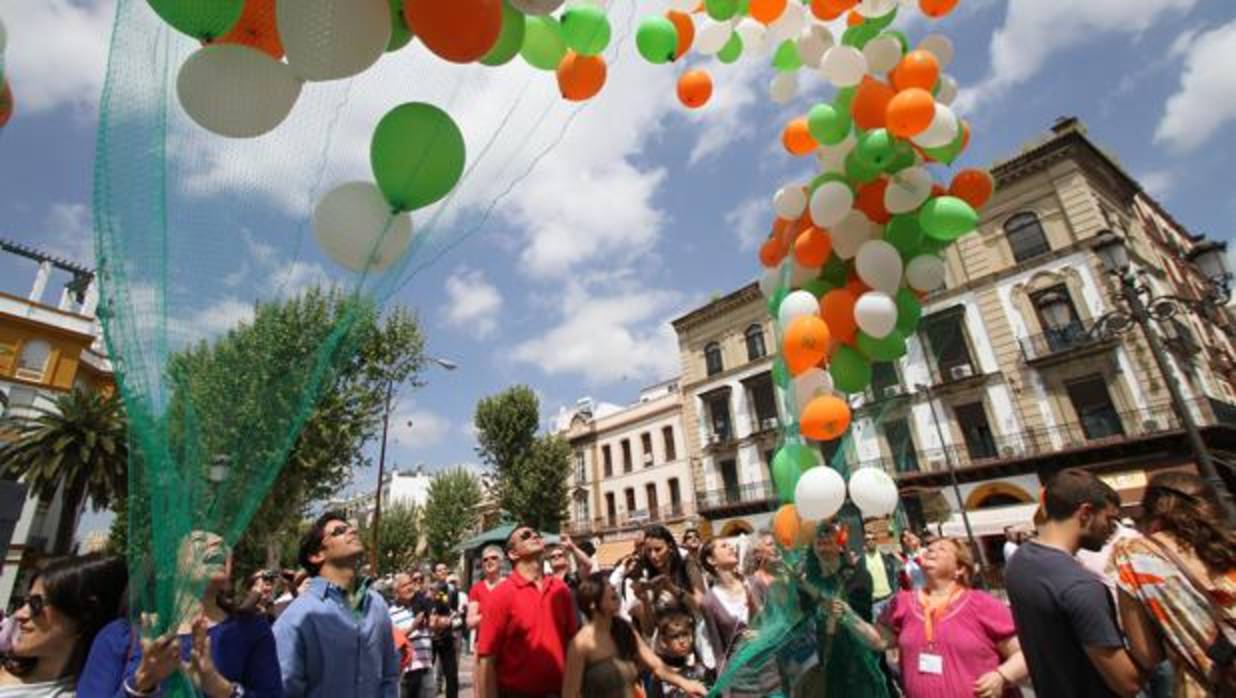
909,311
201,19
851,372
543,45
890,348
788,465
903,157
510,39
774,301
901,38
857,171
657,39
860,35
786,57
904,233
883,21
731,50
817,287
586,29
721,10
835,272
947,218
400,34
417,155
827,124
780,373
934,246
875,149
948,153
844,101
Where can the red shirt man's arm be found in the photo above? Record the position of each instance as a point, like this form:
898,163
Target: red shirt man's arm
493,623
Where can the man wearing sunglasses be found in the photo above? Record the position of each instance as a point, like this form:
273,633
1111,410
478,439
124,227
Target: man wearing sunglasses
525,627
336,639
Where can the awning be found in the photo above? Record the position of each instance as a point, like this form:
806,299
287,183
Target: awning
610,552
497,536
988,522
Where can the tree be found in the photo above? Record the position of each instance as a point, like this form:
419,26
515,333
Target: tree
451,512
401,535
81,444
532,470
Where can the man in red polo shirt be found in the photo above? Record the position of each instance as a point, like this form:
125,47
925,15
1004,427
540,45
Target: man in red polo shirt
526,626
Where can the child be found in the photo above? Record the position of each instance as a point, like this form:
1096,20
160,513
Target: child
675,645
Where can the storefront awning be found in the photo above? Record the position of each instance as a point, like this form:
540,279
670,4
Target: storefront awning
988,522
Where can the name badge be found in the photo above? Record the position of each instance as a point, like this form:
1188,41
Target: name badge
930,664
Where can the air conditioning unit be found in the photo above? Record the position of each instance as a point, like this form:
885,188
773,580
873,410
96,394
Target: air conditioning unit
714,439
648,458
1151,426
959,372
892,391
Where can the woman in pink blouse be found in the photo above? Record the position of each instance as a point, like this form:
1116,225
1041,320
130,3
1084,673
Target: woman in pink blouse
953,641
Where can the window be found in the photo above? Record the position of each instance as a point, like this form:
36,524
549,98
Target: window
581,472
764,400
626,455
946,337
650,491
675,497
1062,329
980,442
645,442
630,493
608,458
712,358
671,451
1095,411
20,398
901,444
729,478
32,364
581,507
1026,237
719,414
883,376
755,343
611,512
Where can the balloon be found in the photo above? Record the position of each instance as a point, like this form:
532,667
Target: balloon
830,204
766,11
810,384
850,234
256,28
940,46
943,129
876,313
835,273
873,492
870,105
890,348
400,33
837,309
797,138
796,305
904,233
828,10
6,104
712,37
786,58
947,91
879,266
813,42
910,112
789,25
586,30
870,200
788,465
780,374
948,152
510,40
657,39
581,78
4,38
685,29
360,31
882,53
790,201
825,418
827,124
909,311
536,7
851,372
917,69
843,66
947,218
819,494
783,89
800,274
908,189
876,9
752,34
694,89
769,282
875,149
786,526
417,155
354,226
543,46
925,273
813,247
973,187
203,20
236,91
732,49
805,343
937,8
721,10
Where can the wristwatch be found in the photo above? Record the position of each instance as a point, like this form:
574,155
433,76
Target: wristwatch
238,691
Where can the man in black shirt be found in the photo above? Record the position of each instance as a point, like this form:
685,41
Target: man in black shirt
445,613
1065,620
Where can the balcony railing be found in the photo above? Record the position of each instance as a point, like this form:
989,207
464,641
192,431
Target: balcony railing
750,493
1058,342
944,376
625,519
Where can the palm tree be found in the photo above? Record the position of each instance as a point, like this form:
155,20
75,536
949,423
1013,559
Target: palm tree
80,444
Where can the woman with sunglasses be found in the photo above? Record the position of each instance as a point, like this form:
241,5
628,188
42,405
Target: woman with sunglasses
225,650
69,601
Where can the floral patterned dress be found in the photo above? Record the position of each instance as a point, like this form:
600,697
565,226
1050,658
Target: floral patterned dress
1147,574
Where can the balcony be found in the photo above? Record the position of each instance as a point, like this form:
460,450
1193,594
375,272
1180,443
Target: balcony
720,440
956,375
1066,342
880,394
626,520
749,497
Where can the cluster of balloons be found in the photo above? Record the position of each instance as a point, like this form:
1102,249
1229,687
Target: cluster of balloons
820,492
6,93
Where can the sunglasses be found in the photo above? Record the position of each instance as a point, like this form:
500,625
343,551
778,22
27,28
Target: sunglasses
528,534
36,604
491,558
339,531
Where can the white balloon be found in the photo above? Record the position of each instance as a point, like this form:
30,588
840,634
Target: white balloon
769,282
820,493
948,90
236,91
354,227
788,25
942,131
939,46
790,201
875,8
542,7
712,36
333,39
813,41
784,87
684,5
843,66
907,189
796,305
876,313
832,157
882,54
752,34
873,492
849,235
830,203
878,264
811,384
925,273
800,275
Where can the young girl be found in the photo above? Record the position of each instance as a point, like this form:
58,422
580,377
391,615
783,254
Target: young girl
675,647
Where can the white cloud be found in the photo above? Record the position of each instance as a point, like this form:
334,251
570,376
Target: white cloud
1206,99
749,221
735,90
414,428
220,317
472,303
1158,182
1035,31
57,51
69,233
295,277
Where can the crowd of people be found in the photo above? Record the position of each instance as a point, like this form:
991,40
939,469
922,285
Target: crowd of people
1093,608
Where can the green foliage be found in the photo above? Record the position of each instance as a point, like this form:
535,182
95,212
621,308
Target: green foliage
399,539
80,443
506,426
537,494
451,513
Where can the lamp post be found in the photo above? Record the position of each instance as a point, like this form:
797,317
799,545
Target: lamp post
386,419
1114,255
952,474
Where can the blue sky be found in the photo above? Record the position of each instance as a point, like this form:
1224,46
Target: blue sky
642,211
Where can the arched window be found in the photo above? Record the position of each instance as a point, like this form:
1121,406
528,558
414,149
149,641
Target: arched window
712,358
33,361
755,343
1026,237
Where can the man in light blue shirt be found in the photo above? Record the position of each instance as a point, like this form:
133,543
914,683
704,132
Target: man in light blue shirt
335,640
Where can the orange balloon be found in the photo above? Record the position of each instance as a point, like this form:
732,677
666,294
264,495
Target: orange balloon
910,112
825,418
694,88
870,200
686,31
917,69
856,286
797,138
786,525
766,11
870,104
837,309
828,10
937,8
853,19
256,27
813,247
772,252
975,187
580,78
805,343
460,31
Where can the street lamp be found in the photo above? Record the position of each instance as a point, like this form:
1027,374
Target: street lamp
1114,254
1057,312
952,474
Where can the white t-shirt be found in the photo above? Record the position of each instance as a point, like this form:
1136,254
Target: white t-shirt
64,688
1009,548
